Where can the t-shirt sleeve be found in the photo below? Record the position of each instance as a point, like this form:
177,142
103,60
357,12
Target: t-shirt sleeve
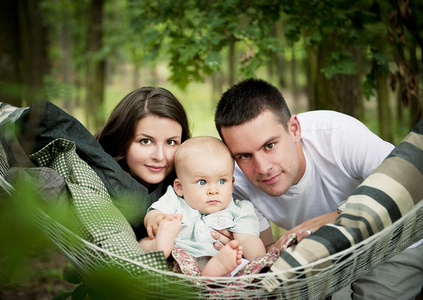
360,150
263,221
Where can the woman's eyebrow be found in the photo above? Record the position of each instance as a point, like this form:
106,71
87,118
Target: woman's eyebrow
144,134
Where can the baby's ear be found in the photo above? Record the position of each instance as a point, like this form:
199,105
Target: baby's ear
177,186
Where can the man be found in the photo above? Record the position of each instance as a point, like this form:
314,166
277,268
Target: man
296,169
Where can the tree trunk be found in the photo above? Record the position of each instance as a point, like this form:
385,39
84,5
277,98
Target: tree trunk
217,86
324,90
346,89
34,59
294,81
271,65
384,111
231,62
10,76
312,74
416,111
280,72
95,67
115,62
23,52
280,56
65,41
359,110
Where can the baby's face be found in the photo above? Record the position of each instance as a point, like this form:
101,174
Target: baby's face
206,182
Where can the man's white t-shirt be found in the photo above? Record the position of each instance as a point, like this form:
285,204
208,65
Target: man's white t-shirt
340,153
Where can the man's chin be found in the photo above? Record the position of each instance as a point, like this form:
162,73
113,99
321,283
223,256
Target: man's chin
273,191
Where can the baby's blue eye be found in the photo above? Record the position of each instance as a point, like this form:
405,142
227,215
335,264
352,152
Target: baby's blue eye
202,182
222,181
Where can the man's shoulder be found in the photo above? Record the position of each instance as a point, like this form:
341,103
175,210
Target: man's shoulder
325,116
327,120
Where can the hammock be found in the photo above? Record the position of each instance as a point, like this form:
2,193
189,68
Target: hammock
113,271
311,281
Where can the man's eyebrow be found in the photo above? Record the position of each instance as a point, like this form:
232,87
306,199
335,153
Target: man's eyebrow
268,141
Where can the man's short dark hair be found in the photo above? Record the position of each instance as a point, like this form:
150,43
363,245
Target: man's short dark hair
246,100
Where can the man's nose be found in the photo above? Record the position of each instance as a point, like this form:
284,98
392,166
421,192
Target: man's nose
262,165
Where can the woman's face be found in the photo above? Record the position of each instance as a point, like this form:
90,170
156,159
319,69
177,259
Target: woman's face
150,156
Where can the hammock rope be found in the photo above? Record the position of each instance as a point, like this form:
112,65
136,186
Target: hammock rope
314,281
112,275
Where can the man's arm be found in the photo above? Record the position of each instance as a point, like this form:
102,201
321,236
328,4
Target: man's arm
267,237
311,224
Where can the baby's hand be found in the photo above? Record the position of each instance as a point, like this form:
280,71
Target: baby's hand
153,224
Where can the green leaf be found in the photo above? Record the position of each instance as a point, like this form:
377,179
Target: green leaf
369,86
71,275
213,61
80,293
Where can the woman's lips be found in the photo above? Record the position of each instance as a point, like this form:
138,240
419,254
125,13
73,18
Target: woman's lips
155,168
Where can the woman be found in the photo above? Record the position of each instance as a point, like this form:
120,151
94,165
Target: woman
143,133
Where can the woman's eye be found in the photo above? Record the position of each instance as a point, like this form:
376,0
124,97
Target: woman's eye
202,182
171,143
270,146
222,181
145,141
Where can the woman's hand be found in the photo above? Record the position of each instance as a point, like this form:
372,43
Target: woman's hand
152,222
223,237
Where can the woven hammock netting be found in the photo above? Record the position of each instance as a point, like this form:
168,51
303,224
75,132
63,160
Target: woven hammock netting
318,280
111,276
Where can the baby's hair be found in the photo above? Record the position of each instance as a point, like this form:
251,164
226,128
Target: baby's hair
200,144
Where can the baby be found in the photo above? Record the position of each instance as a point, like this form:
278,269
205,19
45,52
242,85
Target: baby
200,202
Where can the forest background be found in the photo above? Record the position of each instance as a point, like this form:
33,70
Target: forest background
363,58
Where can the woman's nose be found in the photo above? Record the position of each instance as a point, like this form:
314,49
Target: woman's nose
158,153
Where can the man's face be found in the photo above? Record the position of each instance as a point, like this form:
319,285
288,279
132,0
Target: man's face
266,153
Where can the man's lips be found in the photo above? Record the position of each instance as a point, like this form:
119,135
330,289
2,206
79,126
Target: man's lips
270,180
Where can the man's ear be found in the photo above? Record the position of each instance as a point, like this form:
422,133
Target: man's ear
294,127
177,186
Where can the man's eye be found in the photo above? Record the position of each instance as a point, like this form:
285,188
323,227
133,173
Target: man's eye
145,141
244,156
202,182
270,146
222,181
